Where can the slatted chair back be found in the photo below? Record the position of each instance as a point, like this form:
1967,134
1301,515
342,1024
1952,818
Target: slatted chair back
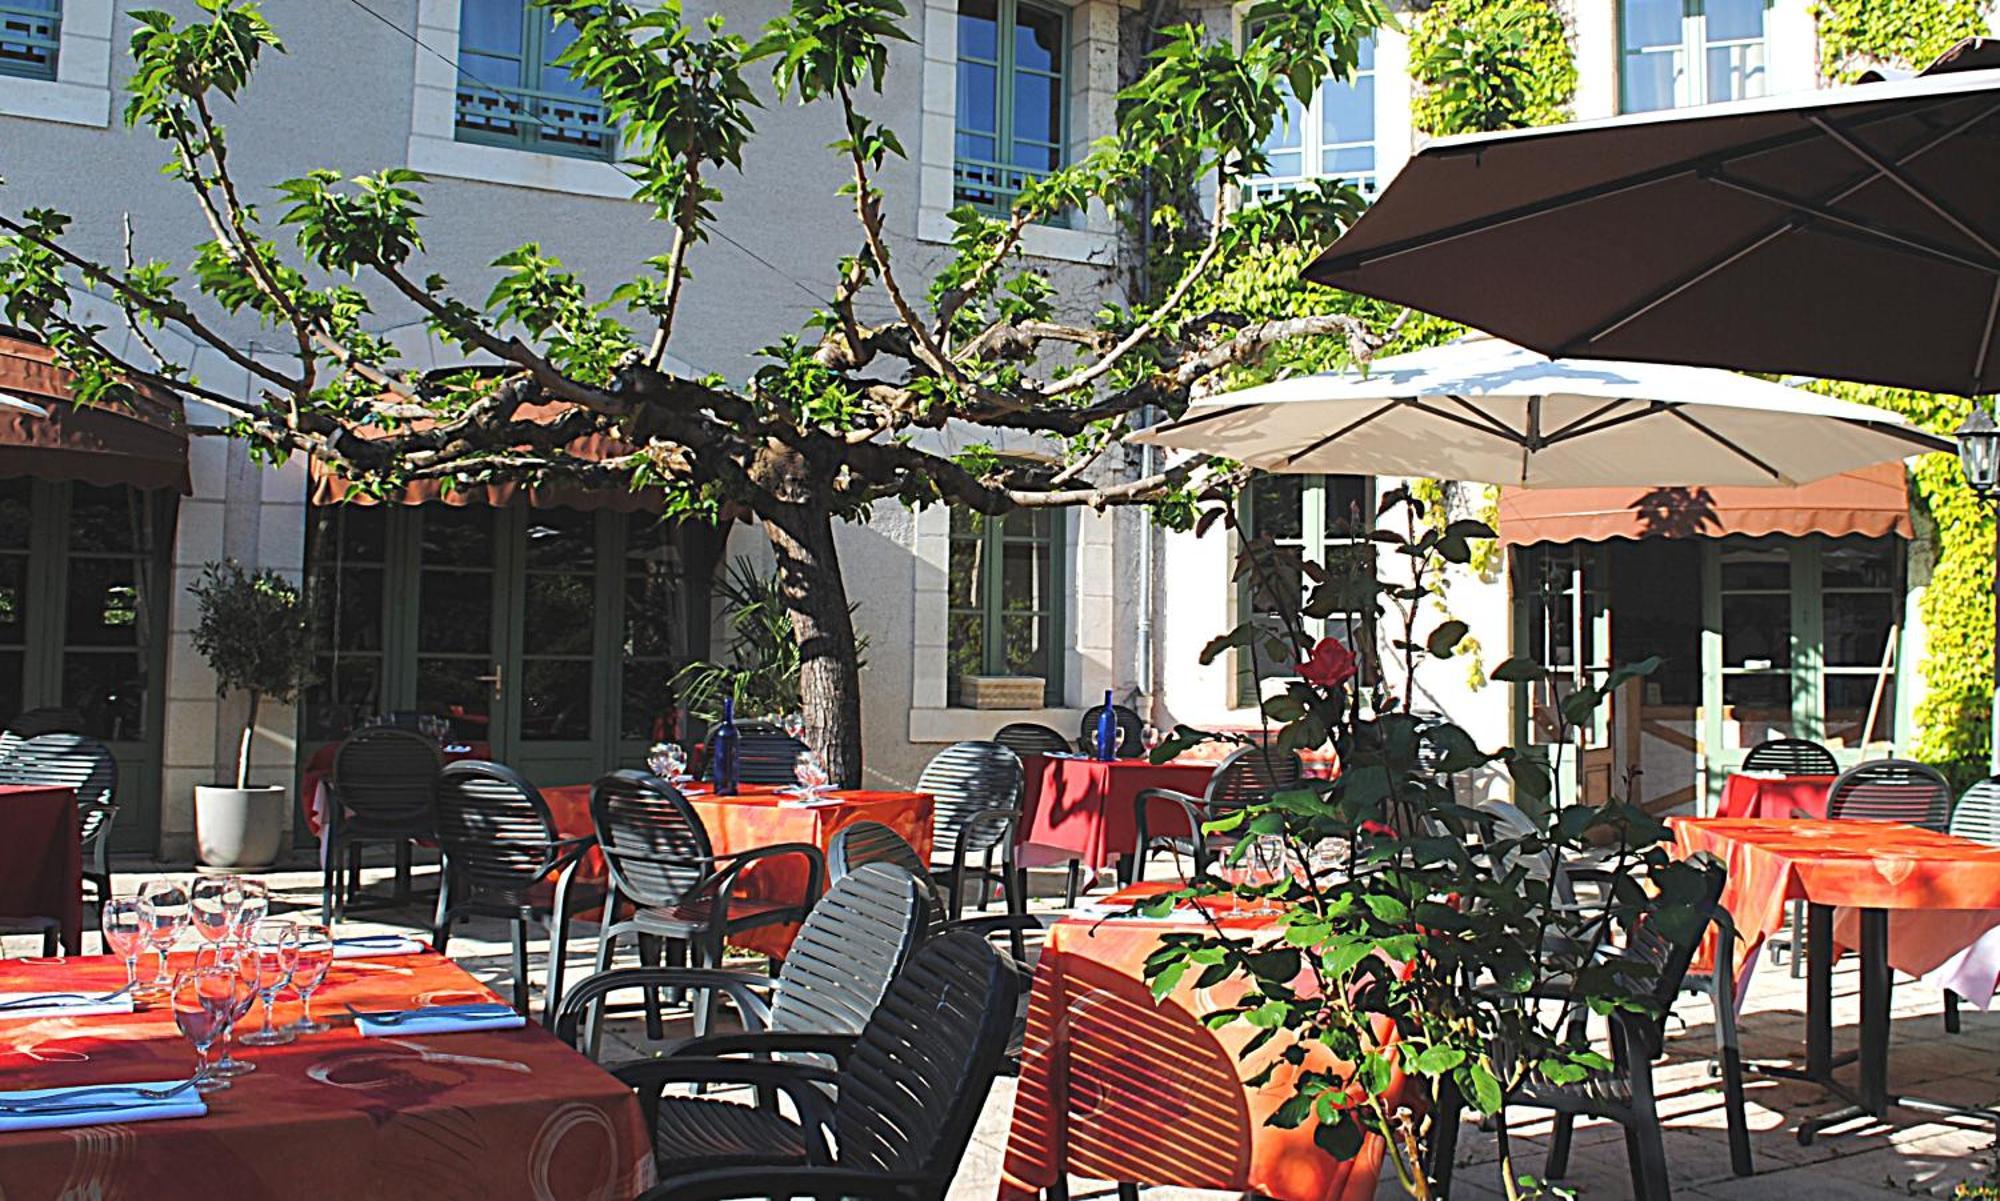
919,1075
1033,738
1791,756
1977,814
495,830
964,779
1894,790
858,844
1668,952
1131,732
656,850
765,754
1249,775
852,944
75,761
385,780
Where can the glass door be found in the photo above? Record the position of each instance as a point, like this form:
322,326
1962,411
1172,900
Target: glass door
555,667
460,645
1563,617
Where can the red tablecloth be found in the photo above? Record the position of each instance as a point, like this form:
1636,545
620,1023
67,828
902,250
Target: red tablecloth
317,768
1943,891
1082,808
754,818
1116,1087
41,858
1773,796
502,1114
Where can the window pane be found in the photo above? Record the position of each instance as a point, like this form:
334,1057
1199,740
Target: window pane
1757,630
1857,627
1347,111
1285,166
1649,81
455,612
1646,23
1848,699
1291,126
1038,41
1734,19
461,537
109,690
1348,161
344,693
978,31
1277,506
1756,708
648,709
16,512
562,538
652,590
102,603
1037,116
967,640
13,600
1025,647
1347,510
1748,569
1023,575
1858,563
555,700
558,612
29,34
490,25
1735,72
12,680
453,687
978,103
108,519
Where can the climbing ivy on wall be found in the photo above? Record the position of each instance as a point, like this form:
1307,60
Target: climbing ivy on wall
1855,35
1491,64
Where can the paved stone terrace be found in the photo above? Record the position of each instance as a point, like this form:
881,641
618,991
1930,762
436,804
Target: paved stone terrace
1927,1160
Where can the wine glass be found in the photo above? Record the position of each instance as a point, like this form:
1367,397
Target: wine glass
810,773
251,908
163,914
1150,737
668,761
124,933
203,1001
212,904
274,948
314,958
233,955
1269,859
795,725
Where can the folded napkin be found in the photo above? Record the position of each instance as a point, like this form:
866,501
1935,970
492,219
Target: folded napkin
444,1019
61,1004
105,1107
375,946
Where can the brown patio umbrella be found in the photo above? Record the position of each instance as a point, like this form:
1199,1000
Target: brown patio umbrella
1852,233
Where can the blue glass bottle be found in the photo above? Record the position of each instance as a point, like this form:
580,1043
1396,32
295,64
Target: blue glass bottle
726,753
1107,730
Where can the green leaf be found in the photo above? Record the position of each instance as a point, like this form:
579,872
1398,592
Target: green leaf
1445,639
1482,1086
1519,671
1436,1060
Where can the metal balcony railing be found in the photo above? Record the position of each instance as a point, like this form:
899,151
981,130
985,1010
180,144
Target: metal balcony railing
547,121
29,38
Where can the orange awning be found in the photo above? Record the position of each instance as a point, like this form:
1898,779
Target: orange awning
143,444
329,488
1874,501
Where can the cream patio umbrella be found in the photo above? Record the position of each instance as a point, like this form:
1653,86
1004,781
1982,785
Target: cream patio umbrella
1487,411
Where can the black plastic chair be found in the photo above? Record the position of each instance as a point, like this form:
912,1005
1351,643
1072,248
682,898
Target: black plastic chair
1248,776
657,856
30,723
380,790
1032,738
501,847
1792,757
1975,817
1131,732
903,1101
82,763
765,754
1894,790
861,843
976,790
1625,1093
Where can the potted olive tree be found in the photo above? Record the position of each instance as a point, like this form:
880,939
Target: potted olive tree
252,631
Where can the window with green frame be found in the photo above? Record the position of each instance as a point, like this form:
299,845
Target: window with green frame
511,93
30,34
1004,614
1012,87
1675,53
1326,520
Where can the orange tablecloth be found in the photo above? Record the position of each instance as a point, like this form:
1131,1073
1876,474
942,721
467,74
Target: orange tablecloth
1082,808
503,1114
1942,891
754,818
1116,1087
1773,796
41,858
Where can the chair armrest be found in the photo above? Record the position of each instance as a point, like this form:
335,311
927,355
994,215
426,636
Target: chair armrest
741,987
565,852
822,1184
724,876
1194,808
761,1042
806,1086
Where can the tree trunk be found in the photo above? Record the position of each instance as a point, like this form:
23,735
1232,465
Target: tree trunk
243,746
829,667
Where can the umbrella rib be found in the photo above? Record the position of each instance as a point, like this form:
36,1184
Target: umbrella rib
1788,225
1345,430
1492,423
1570,431
1869,230
1198,418
1332,264
1595,413
1893,175
1485,425
1726,444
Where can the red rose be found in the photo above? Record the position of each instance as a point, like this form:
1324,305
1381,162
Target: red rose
1330,665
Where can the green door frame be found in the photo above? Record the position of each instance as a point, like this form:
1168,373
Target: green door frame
1594,607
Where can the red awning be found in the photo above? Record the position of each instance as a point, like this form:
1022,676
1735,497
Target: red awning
1873,502
329,488
143,444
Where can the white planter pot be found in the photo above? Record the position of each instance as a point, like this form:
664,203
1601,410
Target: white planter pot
239,828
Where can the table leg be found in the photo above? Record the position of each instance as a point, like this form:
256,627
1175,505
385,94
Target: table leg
1819,991
1876,986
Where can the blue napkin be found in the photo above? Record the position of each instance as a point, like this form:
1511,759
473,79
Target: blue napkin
115,1108
377,946
444,1019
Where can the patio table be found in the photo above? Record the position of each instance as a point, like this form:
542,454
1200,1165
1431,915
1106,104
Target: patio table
509,1114
41,858
1116,1087
1080,809
1929,881
755,817
1753,794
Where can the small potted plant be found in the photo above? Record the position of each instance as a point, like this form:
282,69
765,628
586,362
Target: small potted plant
252,631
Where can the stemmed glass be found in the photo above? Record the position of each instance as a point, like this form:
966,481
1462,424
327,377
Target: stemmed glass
667,761
212,905
1270,863
811,775
163,914
123,934
251,906
204,1000
232,955
310,965
795,725
274,948
1150,736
